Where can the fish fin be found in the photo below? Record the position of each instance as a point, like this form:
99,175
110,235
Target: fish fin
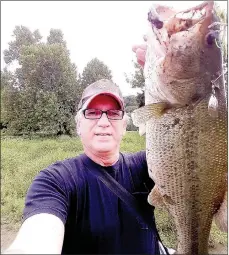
142,129
144,113
221,216
155,198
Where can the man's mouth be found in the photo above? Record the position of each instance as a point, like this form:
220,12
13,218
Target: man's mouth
103,134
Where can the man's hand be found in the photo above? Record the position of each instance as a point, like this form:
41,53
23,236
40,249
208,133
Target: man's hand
140,51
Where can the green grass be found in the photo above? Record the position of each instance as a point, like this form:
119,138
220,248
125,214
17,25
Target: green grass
22,159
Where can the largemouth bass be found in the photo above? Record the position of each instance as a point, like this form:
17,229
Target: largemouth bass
185,121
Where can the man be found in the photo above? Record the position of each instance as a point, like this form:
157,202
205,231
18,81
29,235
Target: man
69,210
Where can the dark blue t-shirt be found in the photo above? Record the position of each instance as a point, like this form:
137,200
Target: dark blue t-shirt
96,220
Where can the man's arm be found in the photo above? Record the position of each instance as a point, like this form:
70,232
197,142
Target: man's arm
39,234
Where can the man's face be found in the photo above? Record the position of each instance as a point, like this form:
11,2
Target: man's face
102,135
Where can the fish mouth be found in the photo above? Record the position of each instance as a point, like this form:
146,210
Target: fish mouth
165,21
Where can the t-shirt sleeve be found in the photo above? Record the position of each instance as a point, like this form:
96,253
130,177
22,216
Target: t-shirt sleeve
47,194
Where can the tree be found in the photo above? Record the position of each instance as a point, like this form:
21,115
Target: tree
22,37
137,80
130,105
7,81
223,18
51,83
56,36
94,71
11,102
45,86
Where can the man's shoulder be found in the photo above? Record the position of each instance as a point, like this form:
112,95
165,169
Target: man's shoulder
63,168
135,156
71,162
137,166
136,160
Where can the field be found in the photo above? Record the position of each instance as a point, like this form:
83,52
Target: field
23,158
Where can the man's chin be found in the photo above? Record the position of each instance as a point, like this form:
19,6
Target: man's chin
104,148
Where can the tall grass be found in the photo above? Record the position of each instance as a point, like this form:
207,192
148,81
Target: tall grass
22,159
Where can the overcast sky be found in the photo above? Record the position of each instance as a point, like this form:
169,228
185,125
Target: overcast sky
103,29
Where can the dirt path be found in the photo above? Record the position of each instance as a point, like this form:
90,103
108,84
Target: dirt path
8,233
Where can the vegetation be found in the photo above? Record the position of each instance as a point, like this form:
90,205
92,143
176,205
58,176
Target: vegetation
94,71
41,94
23,158
137,80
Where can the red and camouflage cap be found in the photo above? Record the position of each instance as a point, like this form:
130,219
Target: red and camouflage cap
103,86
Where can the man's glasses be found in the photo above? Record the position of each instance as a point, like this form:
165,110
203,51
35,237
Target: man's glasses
94,114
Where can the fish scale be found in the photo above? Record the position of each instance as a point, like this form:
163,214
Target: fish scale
190,171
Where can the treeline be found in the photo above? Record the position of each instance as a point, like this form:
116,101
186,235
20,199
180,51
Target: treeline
41,94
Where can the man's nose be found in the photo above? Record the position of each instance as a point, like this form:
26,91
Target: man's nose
103,121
